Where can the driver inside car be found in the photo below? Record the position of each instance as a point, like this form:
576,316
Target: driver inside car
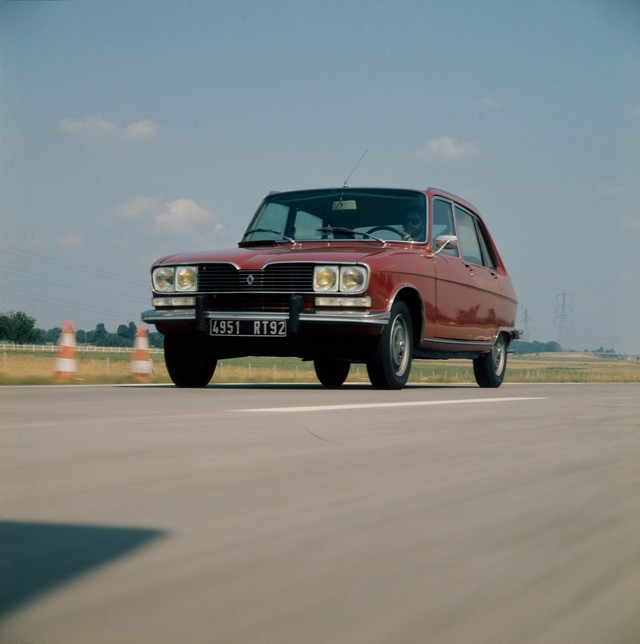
413,224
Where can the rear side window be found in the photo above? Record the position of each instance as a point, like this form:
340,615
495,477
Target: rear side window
487,251
470,248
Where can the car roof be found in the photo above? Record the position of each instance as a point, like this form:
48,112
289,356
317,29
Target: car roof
432,190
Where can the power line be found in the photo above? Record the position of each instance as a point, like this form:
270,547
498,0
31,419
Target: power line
78,268
34,277
116,315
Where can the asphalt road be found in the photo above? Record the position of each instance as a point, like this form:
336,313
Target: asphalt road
298,514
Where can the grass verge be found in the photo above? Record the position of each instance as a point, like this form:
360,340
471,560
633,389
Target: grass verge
31,368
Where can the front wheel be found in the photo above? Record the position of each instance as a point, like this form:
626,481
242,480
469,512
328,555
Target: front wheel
332,373
189,360
390,364
489,368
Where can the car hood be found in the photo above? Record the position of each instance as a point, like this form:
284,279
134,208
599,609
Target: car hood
256,258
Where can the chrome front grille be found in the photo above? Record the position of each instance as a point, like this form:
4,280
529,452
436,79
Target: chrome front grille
276,278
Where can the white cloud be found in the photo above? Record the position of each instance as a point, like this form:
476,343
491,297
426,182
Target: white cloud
183,216
97,128
446,148
141,130
137,207
179,217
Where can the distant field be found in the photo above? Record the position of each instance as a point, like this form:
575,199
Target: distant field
30,368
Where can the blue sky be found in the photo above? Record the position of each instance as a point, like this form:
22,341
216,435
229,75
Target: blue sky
129,130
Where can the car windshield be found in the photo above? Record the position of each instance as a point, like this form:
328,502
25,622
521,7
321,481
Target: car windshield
340,213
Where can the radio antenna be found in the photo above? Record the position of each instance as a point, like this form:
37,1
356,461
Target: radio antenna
355,167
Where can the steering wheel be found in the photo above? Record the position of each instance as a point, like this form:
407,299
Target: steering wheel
389,228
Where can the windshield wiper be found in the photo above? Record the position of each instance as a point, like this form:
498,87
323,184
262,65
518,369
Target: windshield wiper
340,229
269,230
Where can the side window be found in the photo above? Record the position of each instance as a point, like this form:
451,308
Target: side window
489,257
443,223
468,237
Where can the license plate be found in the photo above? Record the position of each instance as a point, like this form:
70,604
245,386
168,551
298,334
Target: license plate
250,328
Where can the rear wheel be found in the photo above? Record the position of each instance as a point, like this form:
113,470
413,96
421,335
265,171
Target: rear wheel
390,364
332,373
189,359
489,368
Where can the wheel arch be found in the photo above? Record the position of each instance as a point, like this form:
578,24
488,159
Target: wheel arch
509,334
411,297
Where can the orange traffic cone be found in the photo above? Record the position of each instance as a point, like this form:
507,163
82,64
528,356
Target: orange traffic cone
65,365
141,365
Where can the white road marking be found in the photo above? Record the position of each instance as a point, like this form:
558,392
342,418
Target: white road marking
424,403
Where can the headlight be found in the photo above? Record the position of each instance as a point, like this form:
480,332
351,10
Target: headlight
325,278
168,279
353,279
186,278
345,279
163,279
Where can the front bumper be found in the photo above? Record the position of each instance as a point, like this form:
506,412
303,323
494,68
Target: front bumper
295,316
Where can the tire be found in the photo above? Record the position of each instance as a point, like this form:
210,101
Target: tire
390,364
189,360
489,368
332,373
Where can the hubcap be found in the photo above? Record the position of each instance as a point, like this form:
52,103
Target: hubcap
399,353
499,354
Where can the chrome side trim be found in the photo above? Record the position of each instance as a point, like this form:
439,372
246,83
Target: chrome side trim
461,343
514,334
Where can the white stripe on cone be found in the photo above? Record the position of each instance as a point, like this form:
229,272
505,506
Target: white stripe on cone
141,366
66,365
67,340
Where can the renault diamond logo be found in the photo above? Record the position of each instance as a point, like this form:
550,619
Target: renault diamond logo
250,279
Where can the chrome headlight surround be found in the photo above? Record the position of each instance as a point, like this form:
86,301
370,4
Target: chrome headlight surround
163,279
326,279
186,278
340,279
174,279
353,279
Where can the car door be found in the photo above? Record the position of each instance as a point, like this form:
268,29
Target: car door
466,277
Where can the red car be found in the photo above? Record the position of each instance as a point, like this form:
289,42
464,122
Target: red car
339,276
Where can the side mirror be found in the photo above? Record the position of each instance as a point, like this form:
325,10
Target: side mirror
450,242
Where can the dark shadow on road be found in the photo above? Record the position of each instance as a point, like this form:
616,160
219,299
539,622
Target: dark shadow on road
301,386
35,558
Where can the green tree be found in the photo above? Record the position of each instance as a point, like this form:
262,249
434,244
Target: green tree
18,327
156,340
127,331
99,335
51,335
520,347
